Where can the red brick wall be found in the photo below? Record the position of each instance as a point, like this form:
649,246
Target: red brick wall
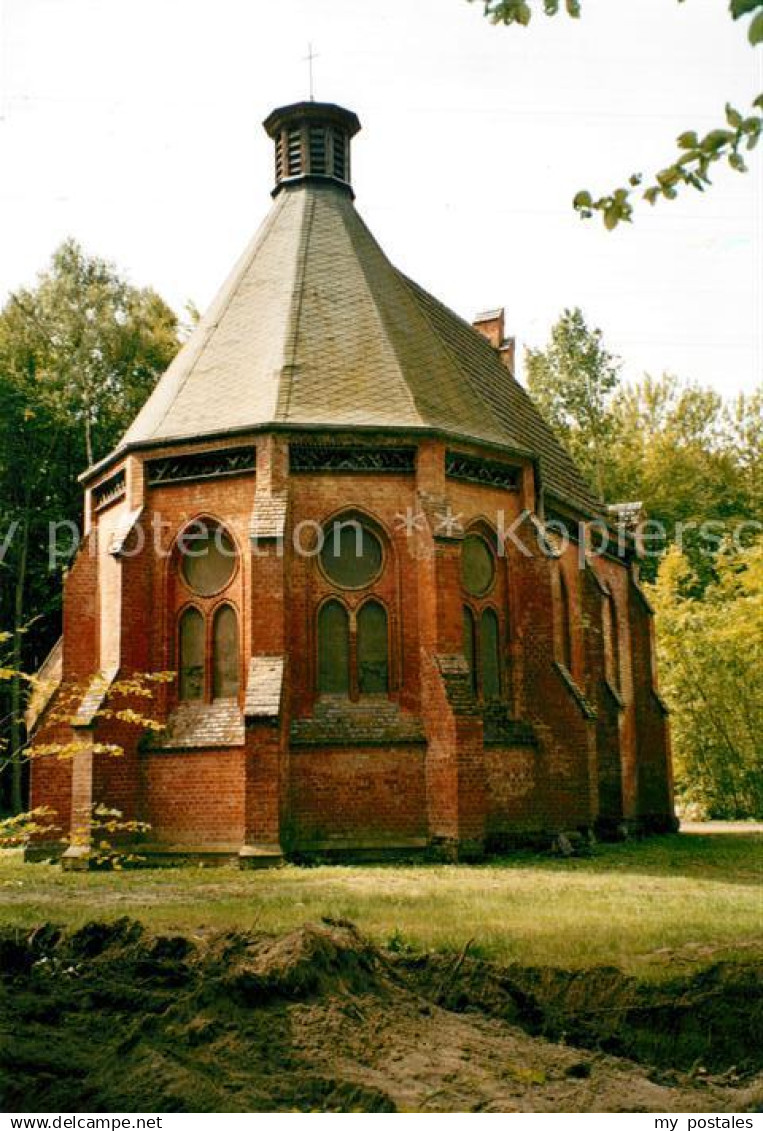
610,717
655,782
50,780
321,498
566,795
452,790
373,794
193,798
513,783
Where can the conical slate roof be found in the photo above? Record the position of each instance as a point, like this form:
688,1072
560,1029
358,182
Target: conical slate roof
315,327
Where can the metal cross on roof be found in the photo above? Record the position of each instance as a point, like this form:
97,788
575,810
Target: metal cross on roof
311,55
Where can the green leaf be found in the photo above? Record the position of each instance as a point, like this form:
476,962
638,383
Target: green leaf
733,117
651,194
716,139
582,199
668,176
688,140
523,14
612,218
635,180
737,162
744,7
573,8
755,30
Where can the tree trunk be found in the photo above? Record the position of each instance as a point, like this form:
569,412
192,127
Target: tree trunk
17,734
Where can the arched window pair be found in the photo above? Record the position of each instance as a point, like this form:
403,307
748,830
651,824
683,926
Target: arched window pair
208,637
353,647
481,626
344,664
222,673
482,652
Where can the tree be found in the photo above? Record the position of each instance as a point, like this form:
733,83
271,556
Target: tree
711,673
573,381
693,460
95,342
79,354
696,155
93,827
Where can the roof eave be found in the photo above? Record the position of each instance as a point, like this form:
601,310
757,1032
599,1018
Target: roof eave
108,461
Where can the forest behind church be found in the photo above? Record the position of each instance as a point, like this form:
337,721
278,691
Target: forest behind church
81,350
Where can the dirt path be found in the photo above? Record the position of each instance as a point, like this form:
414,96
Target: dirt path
739,828
110,1018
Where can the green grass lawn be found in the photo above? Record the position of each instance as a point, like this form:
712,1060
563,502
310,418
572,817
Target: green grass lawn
650,907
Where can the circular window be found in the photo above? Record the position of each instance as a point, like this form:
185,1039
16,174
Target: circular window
477,566
208,558
351,556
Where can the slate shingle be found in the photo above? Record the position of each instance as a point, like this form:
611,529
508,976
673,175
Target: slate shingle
315,326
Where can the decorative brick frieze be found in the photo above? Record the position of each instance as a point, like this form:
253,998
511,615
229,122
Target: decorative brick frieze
319,457
217,464
488,472
111,490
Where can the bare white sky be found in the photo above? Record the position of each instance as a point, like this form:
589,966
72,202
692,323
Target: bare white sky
134,126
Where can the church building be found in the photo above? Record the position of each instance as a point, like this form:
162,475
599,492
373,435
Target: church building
400,619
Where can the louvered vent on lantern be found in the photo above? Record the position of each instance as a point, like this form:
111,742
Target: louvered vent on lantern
312,139
294,151
318,150
341,147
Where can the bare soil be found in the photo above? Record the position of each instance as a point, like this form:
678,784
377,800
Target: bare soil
112,1018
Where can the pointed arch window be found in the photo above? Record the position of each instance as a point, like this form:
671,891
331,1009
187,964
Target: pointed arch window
373,649
490,659
208,634
611,640
482,631
470,650
192,650
565,617
354,626
482,652
333,649
225,654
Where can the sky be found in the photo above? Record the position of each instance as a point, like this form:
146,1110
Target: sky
134,126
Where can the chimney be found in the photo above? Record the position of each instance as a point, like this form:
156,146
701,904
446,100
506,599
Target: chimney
492,325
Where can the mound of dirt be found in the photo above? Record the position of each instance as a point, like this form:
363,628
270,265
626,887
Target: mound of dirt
111,1018
711,1018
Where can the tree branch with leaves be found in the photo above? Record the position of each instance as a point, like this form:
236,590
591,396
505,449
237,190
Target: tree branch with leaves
696,156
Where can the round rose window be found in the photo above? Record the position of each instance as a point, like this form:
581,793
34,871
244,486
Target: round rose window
208,558
477,566
351,556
